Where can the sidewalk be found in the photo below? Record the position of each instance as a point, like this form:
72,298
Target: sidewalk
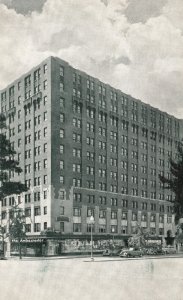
47,257
96,258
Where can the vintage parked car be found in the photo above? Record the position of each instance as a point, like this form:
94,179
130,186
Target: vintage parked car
131,252
124,252
160,251
111,252
135,253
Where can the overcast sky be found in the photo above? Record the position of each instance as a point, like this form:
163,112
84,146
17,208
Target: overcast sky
134,45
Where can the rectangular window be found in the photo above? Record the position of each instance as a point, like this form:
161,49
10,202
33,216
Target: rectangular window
134,216
45,163
153,218
45,68
62,102
37,211
77,182
114,201
45,179
45,131
102,214
45,210
124,229
62,117
124,203
102,200
61,86
45,115
37,227
134,204
45,84
77,197
102,228
45,195
90,212
61,133
114,215
76,227
28,212
45,147
28,227
27,198
61,71
37,196
144,218
76,212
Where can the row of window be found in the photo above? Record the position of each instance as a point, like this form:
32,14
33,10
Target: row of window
77,122
113,174
114,148
103,172
90,86
113,161
27,108
124,112
102,91
37,227
124,216
124,203
37,166
35,134
102,117
77,227
36,196
37,211
37,181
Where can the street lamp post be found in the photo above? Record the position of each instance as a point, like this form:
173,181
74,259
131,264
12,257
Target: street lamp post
91,223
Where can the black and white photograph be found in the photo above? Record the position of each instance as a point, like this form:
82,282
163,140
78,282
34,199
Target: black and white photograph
91,149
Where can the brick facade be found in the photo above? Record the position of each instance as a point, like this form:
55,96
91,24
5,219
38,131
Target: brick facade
87,148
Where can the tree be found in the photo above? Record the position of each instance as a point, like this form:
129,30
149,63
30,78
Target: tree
2,237
139,239
175,183
17,226
8,164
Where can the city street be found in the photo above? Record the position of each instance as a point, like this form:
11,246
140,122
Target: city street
80,279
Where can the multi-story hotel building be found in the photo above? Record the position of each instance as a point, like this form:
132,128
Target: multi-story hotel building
86,149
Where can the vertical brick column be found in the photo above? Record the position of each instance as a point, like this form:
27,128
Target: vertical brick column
83,218
129,219
108,220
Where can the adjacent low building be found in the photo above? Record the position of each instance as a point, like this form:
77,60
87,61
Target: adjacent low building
87,149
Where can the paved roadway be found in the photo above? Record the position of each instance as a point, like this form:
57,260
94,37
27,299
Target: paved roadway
157,278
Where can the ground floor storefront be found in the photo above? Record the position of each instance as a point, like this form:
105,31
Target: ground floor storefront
68,245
